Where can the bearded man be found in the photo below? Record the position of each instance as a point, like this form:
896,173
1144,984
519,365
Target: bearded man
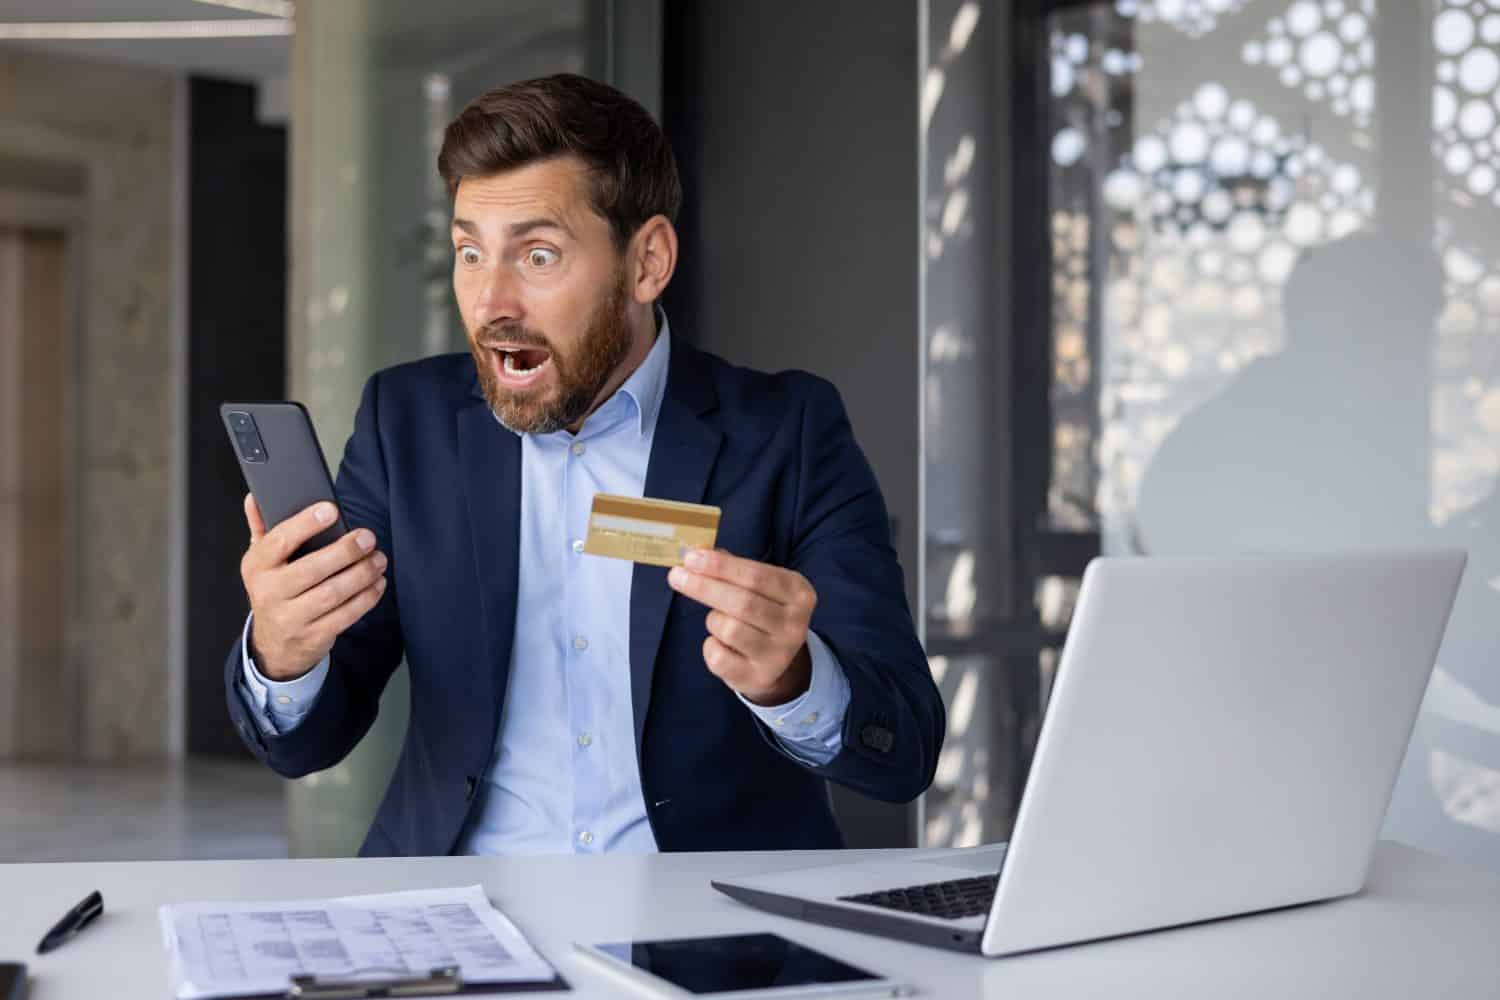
562,701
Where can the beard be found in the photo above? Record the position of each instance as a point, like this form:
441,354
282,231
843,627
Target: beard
580,375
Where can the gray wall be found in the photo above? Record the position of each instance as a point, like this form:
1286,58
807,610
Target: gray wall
797,127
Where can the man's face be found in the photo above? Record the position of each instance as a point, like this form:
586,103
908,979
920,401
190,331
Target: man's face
542,292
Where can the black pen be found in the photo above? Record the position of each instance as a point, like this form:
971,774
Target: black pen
72,922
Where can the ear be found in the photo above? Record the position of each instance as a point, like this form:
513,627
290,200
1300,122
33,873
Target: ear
653,257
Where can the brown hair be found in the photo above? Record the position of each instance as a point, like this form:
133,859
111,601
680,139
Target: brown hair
633,172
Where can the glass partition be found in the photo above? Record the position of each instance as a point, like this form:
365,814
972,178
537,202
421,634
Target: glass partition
374,83
1206,276
1275,294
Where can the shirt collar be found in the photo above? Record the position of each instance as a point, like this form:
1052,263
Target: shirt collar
648,383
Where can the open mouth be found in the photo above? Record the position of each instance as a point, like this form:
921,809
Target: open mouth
521,366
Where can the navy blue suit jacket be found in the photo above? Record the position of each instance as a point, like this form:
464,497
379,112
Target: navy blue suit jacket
437,479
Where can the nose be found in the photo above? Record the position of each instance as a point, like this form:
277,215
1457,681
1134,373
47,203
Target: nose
496,299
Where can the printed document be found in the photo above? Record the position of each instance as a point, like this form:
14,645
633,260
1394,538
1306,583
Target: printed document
240,949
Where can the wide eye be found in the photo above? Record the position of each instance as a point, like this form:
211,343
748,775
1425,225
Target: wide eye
540,257
469,255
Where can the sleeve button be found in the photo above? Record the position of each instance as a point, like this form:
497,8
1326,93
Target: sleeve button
877,738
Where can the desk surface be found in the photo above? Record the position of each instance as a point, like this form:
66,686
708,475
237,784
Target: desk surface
1422,927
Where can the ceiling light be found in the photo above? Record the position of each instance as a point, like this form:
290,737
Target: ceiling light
270,8
35,31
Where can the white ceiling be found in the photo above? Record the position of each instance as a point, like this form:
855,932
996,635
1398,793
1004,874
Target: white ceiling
232,58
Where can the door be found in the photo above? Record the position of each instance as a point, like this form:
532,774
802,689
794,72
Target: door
38,704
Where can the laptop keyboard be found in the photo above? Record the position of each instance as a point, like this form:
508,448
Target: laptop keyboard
954,900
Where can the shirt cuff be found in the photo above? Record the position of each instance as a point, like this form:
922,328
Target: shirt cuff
277,706
811,726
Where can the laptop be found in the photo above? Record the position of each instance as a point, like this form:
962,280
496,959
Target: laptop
1222,737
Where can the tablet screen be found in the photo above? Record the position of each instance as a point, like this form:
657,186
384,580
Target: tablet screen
739,962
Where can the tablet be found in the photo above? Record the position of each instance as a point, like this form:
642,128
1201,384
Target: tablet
739,965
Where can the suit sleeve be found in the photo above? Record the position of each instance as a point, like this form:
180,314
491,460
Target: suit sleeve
366,655
893,727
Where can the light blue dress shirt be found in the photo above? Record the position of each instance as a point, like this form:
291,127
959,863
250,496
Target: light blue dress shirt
565,776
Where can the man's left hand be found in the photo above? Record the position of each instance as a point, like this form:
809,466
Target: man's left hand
757,623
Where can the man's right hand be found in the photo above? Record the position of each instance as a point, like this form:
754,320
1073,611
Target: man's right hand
301,607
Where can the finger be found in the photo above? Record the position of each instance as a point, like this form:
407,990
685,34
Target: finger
730,666
337,589
772,581
730,598
337,621
739,636
278,544
253,519
305,573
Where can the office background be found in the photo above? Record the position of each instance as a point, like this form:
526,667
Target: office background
1089,275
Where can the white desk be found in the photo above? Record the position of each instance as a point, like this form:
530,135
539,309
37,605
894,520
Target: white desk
1422,928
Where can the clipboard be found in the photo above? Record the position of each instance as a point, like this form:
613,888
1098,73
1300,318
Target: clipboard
443,981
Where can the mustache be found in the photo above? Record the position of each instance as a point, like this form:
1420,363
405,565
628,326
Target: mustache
511,333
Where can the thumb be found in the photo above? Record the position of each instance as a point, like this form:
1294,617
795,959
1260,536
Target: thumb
253,519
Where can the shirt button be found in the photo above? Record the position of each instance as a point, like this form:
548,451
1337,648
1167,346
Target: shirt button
584,739
578,545
580,643
578,448
810,719
585,838
282,699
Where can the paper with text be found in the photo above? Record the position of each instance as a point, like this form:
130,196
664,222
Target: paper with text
240,949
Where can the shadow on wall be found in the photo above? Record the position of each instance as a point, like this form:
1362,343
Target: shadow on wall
1326,446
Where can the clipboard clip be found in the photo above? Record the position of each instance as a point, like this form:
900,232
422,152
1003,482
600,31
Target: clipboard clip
437,982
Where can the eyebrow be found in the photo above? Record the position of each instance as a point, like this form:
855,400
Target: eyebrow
516,229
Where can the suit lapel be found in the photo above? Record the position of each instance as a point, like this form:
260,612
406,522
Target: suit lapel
491,460
683,451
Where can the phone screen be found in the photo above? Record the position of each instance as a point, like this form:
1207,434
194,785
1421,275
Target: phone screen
711,965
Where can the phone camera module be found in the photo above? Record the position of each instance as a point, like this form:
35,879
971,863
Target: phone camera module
250,446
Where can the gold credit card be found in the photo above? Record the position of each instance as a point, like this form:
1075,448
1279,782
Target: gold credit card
659,532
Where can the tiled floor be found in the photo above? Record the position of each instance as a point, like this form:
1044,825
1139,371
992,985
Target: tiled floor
201,809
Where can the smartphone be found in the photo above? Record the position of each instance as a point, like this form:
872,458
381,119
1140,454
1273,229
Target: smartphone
282,463
740,966
12,981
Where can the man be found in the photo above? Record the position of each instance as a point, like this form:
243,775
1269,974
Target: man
559,700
